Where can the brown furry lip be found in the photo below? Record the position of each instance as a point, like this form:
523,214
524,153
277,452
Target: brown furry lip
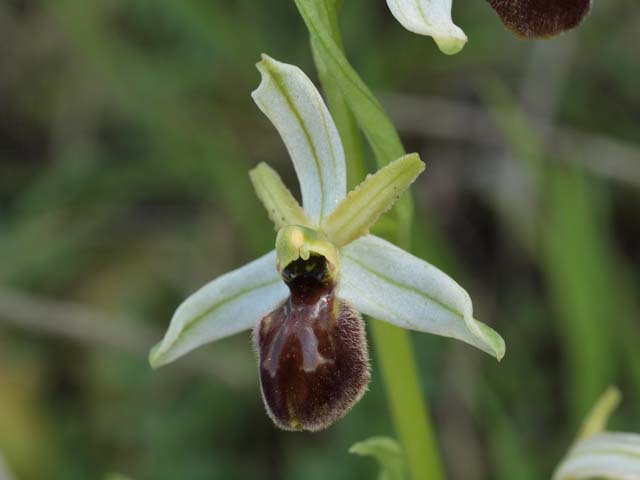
314,363
541,18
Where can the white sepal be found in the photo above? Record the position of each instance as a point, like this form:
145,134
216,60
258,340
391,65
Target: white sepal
388,283
430,17
234,302
294,106
611,455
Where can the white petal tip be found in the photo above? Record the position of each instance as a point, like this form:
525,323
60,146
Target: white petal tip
432,18
451,44
156,357
263,66
494,343
265,61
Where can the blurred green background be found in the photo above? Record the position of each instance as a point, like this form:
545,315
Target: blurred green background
126,134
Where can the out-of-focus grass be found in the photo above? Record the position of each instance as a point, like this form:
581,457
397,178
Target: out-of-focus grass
126,132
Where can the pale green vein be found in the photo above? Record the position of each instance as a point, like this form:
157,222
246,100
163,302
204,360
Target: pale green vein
194,321
406,287
277,80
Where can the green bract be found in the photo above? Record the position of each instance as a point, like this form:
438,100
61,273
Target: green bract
388,454
372,275
601,454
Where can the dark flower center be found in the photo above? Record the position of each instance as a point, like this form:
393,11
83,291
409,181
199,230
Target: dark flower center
308,279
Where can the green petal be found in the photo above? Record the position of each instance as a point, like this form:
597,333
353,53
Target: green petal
281,205
227,305
599,415
373,197
388,283
296,109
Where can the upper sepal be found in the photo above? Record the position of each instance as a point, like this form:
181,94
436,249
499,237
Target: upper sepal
294,106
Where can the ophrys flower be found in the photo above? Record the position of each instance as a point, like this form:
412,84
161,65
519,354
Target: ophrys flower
303,298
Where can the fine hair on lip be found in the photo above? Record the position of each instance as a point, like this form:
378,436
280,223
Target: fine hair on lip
312,351
540,18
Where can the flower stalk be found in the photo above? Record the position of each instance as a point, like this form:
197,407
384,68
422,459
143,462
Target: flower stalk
394,350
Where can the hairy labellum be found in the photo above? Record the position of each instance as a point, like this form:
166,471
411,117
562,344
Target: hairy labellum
312,350
540,18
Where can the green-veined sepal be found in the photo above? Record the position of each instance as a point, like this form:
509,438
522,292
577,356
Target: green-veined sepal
293,104
227,305
388,283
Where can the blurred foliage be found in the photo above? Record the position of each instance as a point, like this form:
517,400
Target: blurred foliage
126,134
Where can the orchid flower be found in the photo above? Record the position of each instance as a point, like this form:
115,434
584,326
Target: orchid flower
601,454
304,299
526,18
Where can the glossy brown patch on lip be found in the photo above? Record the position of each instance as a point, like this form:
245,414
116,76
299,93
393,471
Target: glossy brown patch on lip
312,350
540,18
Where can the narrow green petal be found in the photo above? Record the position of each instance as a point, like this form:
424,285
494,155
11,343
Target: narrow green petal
432,18
227,305
599,415
281,205
382,280
293,104
353,217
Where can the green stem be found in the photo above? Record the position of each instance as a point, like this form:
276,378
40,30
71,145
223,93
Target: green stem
342,115
409,409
